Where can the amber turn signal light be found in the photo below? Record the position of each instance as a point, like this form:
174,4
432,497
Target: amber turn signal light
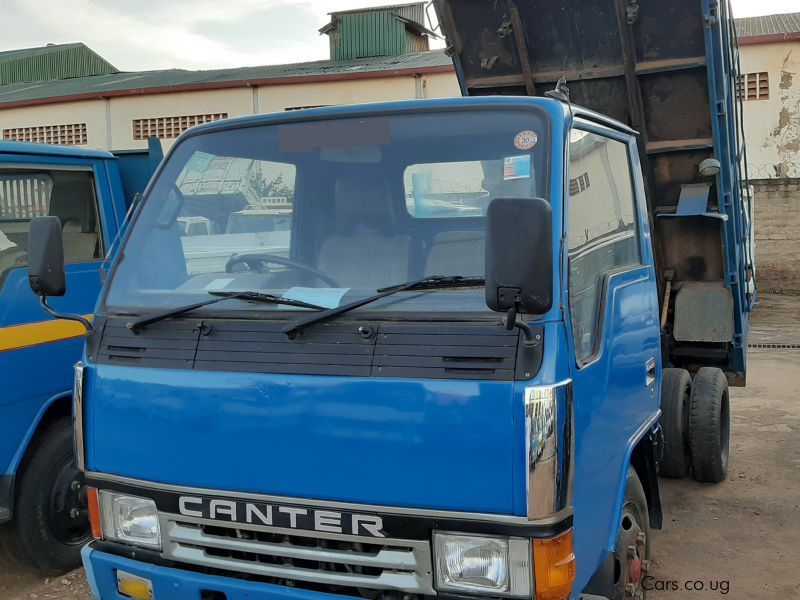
554,567
94,512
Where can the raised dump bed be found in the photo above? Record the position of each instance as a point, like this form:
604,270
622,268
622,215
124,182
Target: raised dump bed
669,70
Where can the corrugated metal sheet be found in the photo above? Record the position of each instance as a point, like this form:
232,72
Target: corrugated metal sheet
383,31
50,63
177,77
416,42
413,12
365,34
768,25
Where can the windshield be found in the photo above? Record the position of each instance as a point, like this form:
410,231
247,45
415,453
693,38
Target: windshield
328,212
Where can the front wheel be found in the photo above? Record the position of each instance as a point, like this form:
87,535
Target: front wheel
50,522
632,551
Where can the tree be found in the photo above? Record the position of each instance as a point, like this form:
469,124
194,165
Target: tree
275,187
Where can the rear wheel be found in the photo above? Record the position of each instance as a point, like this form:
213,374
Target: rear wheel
676,388
632,551
710,425
50,522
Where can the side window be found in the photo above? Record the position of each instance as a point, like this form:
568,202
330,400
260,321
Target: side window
68,195
234,204
602,228
465,189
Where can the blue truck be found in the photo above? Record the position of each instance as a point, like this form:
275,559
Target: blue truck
42,497
491,323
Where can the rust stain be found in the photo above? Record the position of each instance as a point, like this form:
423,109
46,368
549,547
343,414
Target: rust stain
786,134
784,118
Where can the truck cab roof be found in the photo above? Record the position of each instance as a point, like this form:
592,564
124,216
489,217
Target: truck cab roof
37,149
553,106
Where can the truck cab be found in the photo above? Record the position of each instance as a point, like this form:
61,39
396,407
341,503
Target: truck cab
445,416
41,489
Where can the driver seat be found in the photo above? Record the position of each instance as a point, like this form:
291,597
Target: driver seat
365,254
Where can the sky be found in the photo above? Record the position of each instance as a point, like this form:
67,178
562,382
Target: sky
137,35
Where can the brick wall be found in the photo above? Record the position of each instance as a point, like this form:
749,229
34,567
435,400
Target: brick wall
777,225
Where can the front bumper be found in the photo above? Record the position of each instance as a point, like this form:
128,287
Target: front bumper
177,584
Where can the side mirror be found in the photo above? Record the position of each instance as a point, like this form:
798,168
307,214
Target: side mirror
519,256
46,257
46,273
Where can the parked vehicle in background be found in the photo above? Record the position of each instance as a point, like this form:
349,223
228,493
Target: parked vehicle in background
456,375
42,492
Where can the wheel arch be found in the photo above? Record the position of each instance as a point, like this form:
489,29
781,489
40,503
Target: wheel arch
640,455
57,406
643,460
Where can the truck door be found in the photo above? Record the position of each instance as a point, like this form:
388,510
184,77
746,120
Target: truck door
613,313
38,352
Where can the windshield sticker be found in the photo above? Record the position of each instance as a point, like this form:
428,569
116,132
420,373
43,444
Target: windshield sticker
525,140
218,284
517,167
327,297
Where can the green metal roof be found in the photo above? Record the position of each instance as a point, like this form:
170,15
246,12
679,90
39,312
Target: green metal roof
381,31
119,83
47,63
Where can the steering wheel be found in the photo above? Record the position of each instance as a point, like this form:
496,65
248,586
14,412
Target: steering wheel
254,262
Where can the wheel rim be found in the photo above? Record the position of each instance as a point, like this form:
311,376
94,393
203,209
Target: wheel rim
631,555
67,508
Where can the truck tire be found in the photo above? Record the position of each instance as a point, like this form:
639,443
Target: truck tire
710,425
676,389
632,550
50,523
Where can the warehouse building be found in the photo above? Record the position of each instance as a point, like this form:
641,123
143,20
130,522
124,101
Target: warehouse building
68,94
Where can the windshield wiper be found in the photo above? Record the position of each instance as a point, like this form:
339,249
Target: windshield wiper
249,296
434,282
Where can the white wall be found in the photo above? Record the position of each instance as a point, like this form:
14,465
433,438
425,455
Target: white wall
236,102
91,112
772,127
110,121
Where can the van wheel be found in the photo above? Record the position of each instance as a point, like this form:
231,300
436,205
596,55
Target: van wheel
50,521
676,388
710,425
632,551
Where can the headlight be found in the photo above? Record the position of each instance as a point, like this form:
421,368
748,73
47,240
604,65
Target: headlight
130,519
479,564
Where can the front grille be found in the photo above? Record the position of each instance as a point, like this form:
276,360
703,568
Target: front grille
333,563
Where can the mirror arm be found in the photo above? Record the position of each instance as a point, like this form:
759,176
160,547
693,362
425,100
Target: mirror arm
58,315
512,321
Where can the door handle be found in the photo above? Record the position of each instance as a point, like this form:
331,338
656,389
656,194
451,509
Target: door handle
650,372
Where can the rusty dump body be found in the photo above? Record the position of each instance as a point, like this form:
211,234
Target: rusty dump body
669,70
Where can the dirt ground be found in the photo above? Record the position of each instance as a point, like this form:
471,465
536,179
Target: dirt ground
743,535
738,540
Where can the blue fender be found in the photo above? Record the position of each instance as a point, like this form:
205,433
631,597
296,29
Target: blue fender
16,459
630,446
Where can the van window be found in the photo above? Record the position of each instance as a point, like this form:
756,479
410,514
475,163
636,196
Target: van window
602,228
66,194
